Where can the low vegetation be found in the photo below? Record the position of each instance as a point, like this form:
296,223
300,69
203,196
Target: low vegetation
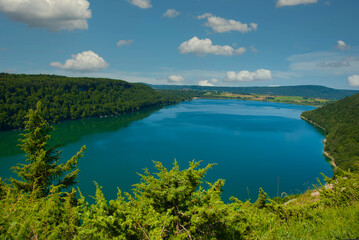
305,91
269,98
168,204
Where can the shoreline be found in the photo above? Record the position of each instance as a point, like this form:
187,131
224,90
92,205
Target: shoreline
325,153
265,100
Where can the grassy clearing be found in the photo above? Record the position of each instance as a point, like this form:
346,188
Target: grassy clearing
269,98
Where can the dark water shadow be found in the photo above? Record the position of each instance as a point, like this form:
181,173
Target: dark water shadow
71,131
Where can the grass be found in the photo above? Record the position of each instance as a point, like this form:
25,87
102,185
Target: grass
269,98
323,223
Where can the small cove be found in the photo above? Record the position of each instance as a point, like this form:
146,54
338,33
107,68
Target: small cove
254,144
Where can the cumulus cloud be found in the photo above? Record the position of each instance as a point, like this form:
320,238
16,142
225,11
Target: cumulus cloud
205,83
171,13
141,3
124,42
175,78
284,3
342,45
53,15
221,25
353,80
86,61
203,47
246,76
208,83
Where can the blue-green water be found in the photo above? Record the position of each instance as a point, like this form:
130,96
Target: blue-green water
255,144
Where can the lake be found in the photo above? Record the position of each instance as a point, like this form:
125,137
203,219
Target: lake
254,144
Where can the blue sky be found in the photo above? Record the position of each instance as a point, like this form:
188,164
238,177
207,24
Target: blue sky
197,42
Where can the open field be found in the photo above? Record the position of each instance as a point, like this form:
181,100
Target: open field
269,98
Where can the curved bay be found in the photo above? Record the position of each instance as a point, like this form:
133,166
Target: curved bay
255,144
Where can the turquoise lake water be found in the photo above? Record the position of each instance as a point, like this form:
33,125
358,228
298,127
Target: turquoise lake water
254,144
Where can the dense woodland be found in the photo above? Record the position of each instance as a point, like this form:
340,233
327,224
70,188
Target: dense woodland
73,98
169,204
341,123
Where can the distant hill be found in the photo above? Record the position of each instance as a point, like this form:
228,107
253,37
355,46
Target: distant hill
310,91
341,123
73,98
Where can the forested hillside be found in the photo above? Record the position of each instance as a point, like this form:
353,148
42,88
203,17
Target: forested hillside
341,123
73,98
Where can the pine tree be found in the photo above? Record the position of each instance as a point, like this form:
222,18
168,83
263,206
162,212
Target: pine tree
262,199
43,170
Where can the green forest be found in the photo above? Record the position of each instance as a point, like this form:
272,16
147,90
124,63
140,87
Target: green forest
74,98
42,202
340,120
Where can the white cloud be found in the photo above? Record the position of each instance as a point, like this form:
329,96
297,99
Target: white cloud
175,78
205,83
124,42
283,3
203,47
353,80
171,13
205,15
246,76
53,15
326,63
342,45
86,61
208,83
190,76
253,49
141,3
222,25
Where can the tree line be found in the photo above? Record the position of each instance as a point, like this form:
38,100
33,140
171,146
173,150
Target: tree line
341,123
73,98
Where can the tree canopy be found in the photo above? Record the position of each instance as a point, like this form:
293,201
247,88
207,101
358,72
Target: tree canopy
43,170
341,123
74,98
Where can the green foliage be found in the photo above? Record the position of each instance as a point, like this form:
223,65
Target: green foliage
25,216
175,209
168,204
74,98
262,199
343,189
43,168
340,121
